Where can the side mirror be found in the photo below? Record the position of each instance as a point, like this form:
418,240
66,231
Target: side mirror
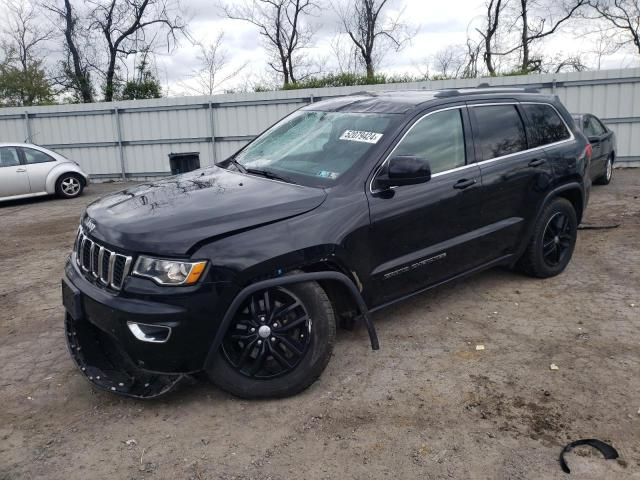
594,139
404,170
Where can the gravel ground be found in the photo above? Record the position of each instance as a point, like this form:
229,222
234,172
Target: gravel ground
427,405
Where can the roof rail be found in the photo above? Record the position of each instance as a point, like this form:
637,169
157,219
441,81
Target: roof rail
454,92
508,89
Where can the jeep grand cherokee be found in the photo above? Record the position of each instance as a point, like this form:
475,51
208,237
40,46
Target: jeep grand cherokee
243,269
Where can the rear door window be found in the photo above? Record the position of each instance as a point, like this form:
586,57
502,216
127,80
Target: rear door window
591,128
32,156
597,126
546,125
499,130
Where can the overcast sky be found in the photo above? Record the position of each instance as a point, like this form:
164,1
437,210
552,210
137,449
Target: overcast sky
439,24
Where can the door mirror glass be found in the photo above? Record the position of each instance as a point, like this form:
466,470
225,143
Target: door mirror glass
404,170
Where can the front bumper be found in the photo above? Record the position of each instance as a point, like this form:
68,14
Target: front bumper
108,352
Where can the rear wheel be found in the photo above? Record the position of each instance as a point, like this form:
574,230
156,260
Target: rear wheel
69,185
607,175
278,343
554,238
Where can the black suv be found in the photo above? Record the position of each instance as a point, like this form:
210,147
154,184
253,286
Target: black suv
242,270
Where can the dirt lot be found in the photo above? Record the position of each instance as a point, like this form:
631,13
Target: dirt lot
427,405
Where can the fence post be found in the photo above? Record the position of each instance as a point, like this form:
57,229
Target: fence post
27,127
213,133
120,149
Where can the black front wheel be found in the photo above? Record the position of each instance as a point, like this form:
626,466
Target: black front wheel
278,343
553,240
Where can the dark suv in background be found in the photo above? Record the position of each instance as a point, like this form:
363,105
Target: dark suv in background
243,269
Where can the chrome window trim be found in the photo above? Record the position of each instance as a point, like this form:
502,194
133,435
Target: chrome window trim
483,162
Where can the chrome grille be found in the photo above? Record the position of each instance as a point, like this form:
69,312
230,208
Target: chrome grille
106,267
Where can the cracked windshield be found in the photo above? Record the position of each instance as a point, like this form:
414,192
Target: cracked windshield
314,148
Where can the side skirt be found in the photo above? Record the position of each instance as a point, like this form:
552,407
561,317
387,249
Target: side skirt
505,259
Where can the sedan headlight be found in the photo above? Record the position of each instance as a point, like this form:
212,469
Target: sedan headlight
169,272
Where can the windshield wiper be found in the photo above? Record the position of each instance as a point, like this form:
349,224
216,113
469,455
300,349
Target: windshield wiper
269,174
238,165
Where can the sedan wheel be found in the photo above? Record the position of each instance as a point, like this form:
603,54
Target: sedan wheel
606,176
69,186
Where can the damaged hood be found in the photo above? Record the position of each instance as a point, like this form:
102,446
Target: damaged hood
170,216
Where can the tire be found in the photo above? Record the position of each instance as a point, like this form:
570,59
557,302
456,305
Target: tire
553,240
231,373
607,175
69,185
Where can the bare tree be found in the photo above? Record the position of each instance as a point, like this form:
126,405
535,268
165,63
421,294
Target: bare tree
283,26
449,62
472,58
371,30
489,32
622,15
572,63
603,46
213,71
345,54
76,75
125,26
537,21
24,32
23,41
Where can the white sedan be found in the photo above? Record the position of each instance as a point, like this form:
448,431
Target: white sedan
29,171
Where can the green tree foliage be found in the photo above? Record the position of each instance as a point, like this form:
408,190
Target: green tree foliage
26,87
145,85
350,79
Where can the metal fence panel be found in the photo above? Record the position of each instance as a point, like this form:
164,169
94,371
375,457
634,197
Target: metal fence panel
134,138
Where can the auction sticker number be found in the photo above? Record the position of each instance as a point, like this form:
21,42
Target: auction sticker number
360,136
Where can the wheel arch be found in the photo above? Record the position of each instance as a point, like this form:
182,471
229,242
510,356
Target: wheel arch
344,304
575,195
318,276
56,172
573,192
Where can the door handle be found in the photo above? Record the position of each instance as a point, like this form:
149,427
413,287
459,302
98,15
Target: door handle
536,162
464,183
21,170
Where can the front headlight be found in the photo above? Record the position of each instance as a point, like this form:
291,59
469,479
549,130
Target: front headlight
169,272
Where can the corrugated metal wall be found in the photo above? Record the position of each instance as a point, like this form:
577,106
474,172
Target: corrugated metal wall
134,138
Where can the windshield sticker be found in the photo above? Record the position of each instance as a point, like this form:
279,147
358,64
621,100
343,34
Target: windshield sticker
325,174
360,136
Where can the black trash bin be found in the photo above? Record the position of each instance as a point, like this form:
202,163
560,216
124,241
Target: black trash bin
184,162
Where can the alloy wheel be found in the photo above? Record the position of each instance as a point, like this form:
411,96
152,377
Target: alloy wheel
609,171
70,186
557,239
269,336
